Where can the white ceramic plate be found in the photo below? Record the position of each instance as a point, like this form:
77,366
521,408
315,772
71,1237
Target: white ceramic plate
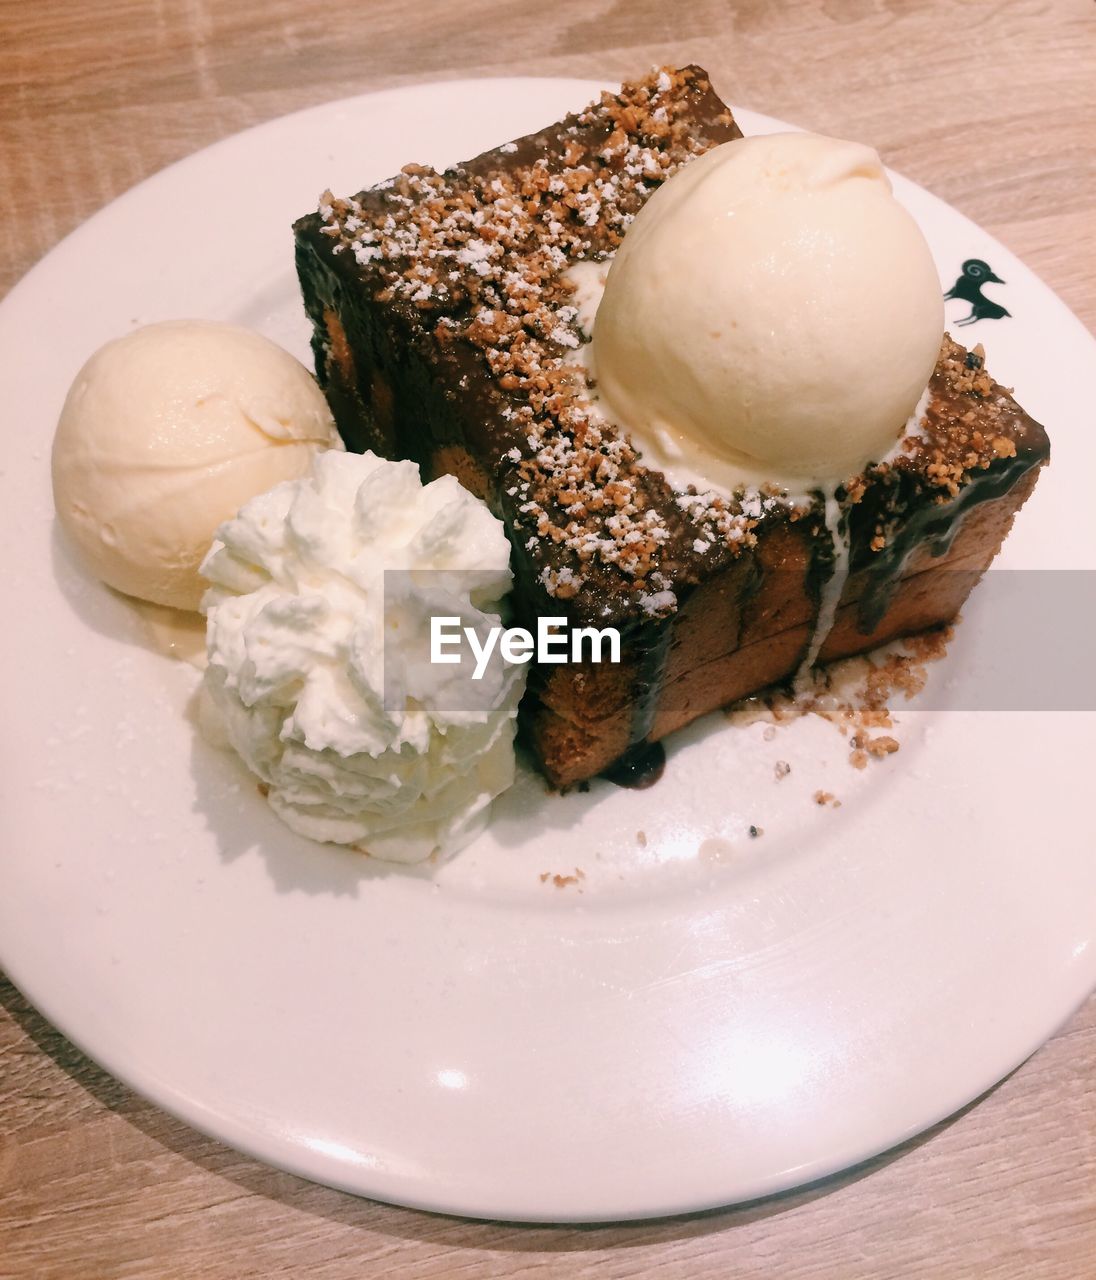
711,1018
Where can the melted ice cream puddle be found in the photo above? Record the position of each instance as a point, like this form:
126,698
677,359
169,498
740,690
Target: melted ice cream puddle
172,632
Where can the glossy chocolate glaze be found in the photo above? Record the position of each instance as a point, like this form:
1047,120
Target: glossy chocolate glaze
640,767
912,511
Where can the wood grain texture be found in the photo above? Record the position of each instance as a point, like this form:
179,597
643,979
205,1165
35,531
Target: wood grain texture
990,105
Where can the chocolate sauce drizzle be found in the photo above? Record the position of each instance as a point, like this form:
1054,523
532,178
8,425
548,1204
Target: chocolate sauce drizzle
639,767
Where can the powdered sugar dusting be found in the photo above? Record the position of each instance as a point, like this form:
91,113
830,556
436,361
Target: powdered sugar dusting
486,250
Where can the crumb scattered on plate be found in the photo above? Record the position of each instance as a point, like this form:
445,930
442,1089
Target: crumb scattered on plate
827,797
562,881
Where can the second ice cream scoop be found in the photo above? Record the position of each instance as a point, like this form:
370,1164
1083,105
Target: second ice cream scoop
166,433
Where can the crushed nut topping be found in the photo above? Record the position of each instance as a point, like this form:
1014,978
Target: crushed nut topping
483,251
956,445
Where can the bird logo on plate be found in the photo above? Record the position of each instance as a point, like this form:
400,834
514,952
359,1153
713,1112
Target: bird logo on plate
968,287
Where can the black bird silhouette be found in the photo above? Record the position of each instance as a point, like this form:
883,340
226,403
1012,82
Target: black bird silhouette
968,287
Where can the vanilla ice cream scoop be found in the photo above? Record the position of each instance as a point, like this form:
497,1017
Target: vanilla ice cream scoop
772,314
166,433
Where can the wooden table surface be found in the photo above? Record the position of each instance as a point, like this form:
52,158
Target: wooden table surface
990,105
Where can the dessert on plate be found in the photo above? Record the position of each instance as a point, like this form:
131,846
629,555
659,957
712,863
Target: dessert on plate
196,466
740,496
635,371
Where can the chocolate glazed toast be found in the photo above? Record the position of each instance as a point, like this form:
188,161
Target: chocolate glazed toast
446,331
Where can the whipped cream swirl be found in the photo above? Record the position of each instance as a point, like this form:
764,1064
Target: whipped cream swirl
318,622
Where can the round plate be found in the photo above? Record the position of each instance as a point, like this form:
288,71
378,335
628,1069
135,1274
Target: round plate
700,1017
